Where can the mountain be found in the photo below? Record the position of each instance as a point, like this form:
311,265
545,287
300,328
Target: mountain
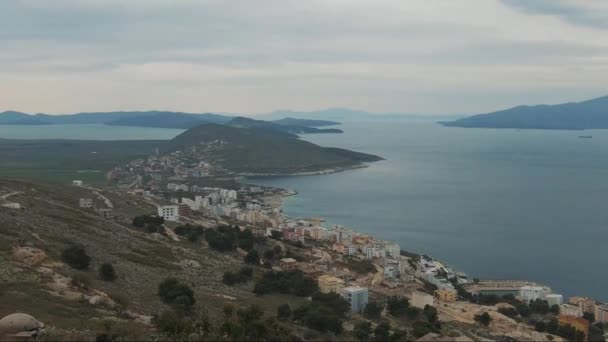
263,150
143,119
242,122
305,122
170,120
591,114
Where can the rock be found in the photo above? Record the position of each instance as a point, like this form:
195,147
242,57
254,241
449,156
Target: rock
20,324
29,255
94,300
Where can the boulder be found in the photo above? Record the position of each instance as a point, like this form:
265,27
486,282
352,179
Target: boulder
20,324
29,255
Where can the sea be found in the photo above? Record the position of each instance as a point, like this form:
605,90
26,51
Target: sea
499,204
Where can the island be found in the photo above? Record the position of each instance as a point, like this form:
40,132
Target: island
590,114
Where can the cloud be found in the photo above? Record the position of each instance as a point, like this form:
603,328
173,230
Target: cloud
584,13
255,56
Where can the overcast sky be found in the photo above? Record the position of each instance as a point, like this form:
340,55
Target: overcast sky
255,56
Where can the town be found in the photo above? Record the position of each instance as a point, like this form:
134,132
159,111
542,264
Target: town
337,253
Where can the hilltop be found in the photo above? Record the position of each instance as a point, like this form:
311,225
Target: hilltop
263,150
292,126
590,114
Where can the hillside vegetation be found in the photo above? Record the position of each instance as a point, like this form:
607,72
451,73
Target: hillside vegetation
263,150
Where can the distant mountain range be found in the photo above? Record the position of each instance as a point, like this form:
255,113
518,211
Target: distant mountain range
164,119
590,114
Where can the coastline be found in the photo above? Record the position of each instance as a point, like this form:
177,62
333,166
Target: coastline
305,173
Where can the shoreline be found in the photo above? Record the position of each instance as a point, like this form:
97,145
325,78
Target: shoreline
303,173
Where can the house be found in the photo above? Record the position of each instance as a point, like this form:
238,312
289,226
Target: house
184,210
288,264
531,293
554,299
601,313
106,213
586,304
421,299
356,296
169,212
446,295
329,284
86,203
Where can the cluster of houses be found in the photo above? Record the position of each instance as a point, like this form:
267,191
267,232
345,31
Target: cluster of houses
238,205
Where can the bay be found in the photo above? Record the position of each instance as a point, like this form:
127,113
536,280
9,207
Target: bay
504,204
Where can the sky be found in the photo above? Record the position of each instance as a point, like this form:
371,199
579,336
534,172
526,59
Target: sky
256,56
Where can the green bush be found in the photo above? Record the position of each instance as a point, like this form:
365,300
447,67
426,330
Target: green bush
284,312
76,257
173,292
106,272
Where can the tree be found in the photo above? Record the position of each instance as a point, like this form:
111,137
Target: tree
76,257
284,312
539,306
397,306
398,336
276,234
430,313
484,319
373,310
552,326
252,257
590,316
555,309
362,330
382,332
540,326
420,329
173,292
106,272
173,324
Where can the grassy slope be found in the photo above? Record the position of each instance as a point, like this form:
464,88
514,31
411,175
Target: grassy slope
141,262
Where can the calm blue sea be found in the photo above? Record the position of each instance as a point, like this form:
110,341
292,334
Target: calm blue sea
523,204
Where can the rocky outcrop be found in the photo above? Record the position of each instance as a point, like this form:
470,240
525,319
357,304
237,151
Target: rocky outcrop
20,326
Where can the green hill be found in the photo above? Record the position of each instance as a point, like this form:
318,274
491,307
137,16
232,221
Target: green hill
265,151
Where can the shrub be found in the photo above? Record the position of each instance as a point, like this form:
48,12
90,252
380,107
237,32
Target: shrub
398,306
373,310
509,312
252,257
106,272
172,324
76,257
484,319
284,312
231,278
173,292
290,282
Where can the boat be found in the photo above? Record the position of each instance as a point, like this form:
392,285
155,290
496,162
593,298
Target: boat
585,136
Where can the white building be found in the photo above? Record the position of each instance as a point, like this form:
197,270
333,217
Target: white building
554,299
77,183
169,212
421,299
530,293
356,296
369,251
393,249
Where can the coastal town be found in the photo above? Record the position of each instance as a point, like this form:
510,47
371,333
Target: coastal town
358,266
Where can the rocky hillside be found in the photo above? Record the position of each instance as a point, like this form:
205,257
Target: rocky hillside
39,221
